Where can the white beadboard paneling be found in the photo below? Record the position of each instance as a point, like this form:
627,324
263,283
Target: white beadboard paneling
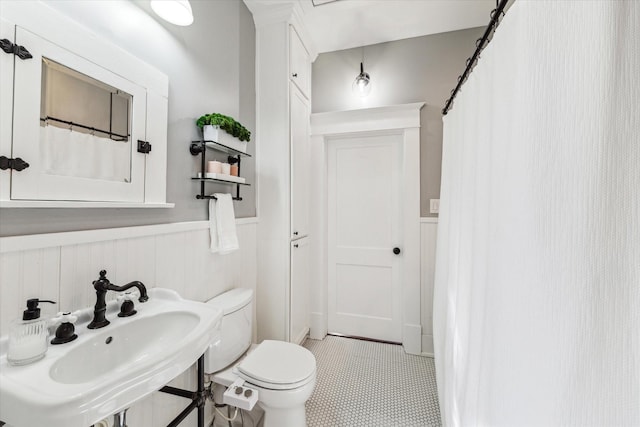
428,238
24,275
80,265
192,256
199,260
136,260
170,262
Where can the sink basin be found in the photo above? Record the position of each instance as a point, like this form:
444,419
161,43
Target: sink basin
108,354
107,370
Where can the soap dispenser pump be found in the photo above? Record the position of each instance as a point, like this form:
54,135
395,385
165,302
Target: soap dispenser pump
28,336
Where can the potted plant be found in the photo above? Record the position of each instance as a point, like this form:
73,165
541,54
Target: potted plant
235,135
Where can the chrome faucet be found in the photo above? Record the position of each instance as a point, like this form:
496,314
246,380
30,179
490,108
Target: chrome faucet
102,285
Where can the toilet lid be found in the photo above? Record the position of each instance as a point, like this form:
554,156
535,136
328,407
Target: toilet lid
278,363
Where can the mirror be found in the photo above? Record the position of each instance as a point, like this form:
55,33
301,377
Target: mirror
85,125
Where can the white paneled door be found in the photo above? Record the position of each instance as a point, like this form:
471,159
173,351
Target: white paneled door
364,232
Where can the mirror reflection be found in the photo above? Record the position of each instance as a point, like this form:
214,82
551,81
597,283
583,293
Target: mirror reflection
85,125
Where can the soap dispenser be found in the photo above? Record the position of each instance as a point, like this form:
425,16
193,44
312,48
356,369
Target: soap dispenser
28,336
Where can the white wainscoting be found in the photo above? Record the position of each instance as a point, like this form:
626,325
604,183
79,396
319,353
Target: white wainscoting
428,239
62,266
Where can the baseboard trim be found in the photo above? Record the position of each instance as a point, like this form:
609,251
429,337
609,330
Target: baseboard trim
318,328
300,339
412,339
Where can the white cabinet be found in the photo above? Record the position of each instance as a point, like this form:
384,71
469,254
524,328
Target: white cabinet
300,65
80,111
299,164
7,31
283,113
299,290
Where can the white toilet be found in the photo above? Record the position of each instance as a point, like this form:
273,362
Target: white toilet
283,373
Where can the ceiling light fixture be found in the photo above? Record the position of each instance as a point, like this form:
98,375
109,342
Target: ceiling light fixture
362,84
177,12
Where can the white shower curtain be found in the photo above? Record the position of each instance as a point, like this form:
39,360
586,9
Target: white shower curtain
537,298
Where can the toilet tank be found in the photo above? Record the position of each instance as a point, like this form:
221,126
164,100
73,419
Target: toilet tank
234,336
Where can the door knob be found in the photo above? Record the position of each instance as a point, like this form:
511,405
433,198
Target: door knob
396,251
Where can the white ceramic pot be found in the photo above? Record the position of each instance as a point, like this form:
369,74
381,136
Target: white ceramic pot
214,133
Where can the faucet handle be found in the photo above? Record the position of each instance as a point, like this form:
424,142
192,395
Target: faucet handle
64,317
126,296
127,307
66,331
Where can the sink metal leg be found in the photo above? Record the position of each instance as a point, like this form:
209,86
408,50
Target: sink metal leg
198,397
201,393
120,419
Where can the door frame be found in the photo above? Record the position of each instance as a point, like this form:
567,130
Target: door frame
402,119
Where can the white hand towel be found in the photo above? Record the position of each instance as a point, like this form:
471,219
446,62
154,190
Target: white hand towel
222,224
213,226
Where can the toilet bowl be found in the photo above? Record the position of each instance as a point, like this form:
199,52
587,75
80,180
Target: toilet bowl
284,374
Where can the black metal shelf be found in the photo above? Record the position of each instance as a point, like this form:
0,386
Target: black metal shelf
196,148
199,148
221,181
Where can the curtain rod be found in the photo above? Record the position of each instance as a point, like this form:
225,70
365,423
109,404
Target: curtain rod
481,43
118,137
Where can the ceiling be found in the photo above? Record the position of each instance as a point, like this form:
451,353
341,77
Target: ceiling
342,24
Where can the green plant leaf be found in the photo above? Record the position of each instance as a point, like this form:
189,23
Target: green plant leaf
226,123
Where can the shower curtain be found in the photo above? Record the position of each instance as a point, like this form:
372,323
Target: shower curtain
537,294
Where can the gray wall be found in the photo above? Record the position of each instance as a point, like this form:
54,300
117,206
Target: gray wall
421,69
211,68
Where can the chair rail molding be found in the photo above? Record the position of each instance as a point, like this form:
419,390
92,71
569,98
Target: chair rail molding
48,240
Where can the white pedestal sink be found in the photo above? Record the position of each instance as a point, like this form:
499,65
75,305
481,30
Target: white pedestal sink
106,370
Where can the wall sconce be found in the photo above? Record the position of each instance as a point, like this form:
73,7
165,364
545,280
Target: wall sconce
177,12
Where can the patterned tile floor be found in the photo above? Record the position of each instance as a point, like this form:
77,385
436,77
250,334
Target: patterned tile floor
361,383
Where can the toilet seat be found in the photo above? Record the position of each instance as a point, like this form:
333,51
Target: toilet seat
278,365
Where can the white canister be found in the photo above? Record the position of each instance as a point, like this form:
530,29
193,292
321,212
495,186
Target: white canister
226,169
214,167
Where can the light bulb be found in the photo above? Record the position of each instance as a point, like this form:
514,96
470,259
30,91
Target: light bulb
177,12
362,84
